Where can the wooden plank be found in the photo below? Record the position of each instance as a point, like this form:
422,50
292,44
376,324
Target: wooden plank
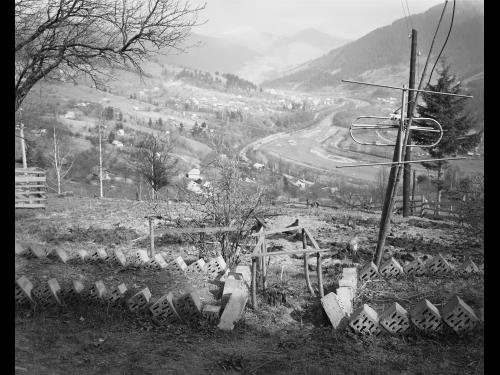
278,230
24,185
311,238
31,200
305,251
306,263
29,170
27,205
201,230
29,179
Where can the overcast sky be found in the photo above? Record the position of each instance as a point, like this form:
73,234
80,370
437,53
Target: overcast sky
343,18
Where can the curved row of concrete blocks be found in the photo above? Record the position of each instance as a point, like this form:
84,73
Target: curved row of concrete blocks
166,309
435,265
395,319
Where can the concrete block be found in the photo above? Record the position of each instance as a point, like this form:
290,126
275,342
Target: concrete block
391,268
62,255
415,267
164,311
216,266
119,258
211,313
395,319
232,284
246,272
98,255
44,296
470,267
158,259
188,307
98,292
141,257
178,266
223,277
36,251
139,301
197,267
116,294
345,297
19,249
24,287
458,315
234,310
365,321
334,309
425,316
368,272
438,265
348,282
55,288
75,293
83,255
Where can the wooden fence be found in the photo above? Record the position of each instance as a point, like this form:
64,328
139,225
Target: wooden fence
31,189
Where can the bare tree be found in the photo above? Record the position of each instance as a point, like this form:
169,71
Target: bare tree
61,158
62,38
155,162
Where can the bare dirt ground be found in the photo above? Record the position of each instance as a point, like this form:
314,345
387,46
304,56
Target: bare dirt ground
290,338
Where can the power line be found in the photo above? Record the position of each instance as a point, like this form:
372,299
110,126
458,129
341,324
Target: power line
406,17
444,45
409,14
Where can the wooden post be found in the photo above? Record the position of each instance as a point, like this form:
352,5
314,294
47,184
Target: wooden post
254,283
306,266
413,192
23,146
320,275
407,151
385,220
152,238
264,265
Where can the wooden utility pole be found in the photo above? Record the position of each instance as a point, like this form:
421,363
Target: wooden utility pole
411,104
391,186
23,145
101,195
413,192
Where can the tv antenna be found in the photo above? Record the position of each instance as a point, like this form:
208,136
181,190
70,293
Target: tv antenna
403,126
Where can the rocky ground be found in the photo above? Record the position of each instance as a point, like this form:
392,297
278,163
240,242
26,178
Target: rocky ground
294,337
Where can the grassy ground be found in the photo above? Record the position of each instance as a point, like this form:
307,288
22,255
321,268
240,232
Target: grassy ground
290,338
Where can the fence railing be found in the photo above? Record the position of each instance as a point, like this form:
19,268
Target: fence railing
30,188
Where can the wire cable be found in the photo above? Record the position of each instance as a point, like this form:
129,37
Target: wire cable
409,14
444,45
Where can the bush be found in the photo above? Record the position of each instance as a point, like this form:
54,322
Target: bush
471,210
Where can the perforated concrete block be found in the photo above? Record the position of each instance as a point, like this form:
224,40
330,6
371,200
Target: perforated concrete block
75,293
119,258
458,315
365,321
438,265
469,267
36,251
160,262
350,276
232,284
139,301
141,257
211,313
98,292
62,255
44,296
188,307
163,310
24,287
98,255
216,266
391,268
234,309
55,288
334,310
116,294
368,272
395,319
83,255
345,298
197,267
177,266
425,316
416,267
20,250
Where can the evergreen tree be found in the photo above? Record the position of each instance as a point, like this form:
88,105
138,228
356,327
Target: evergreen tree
450,112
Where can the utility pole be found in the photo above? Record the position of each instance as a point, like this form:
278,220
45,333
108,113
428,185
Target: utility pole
101,195
411,104
412,205
23,145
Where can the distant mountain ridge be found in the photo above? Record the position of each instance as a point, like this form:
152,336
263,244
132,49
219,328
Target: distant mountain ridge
388,46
